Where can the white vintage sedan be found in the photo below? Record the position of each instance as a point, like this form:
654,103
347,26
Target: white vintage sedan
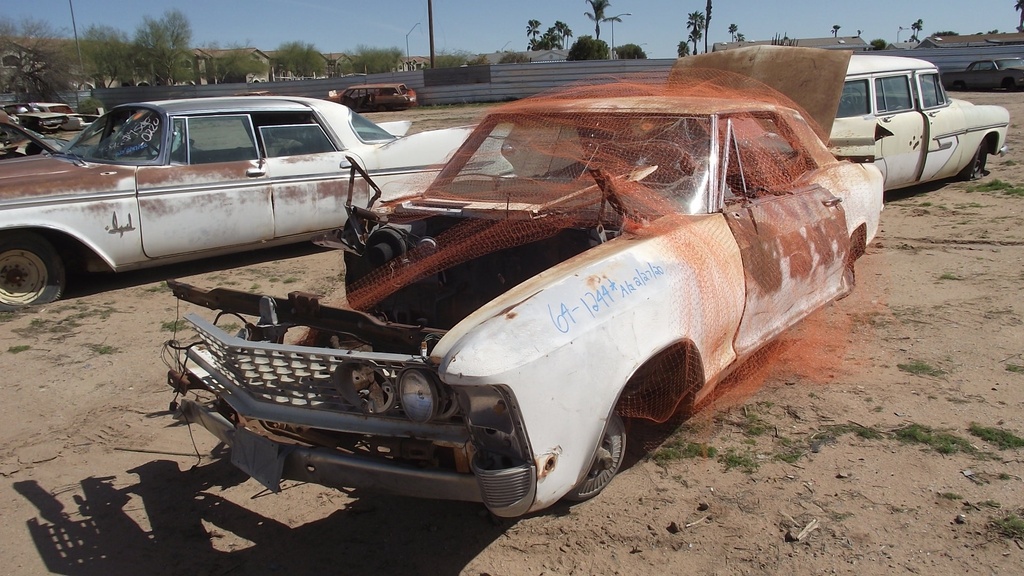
606,253
160,182
894,112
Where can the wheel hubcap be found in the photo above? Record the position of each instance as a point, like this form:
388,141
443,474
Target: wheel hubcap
22,277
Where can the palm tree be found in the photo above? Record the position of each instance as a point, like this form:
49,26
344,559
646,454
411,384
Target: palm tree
563,30
835,30
532,31
599,6
916,27
733,29
741,37
1019,7
707,24
695,24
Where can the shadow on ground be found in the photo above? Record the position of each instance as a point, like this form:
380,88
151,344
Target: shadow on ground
372,534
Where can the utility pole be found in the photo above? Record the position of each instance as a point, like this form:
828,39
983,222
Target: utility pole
430,24
81,63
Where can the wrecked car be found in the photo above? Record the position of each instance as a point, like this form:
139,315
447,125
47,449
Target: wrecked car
599,254
34,117
375,97
159,182
73,121
18,142
895,113
1005,73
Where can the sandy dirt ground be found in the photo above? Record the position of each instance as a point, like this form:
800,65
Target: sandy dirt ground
860,447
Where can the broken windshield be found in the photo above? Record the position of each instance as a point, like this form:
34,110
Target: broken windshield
539,158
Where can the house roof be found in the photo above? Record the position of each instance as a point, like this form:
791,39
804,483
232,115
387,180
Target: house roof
973,40
828,42
218,52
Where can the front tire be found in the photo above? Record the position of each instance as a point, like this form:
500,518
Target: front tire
31,271
607,461
976,169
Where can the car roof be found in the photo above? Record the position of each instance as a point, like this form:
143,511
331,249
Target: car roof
377,85
871,64
674,105
234,104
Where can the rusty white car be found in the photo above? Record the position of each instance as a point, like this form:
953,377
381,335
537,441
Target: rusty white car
34,117
160,182
73,121
608,253
18,142
895,113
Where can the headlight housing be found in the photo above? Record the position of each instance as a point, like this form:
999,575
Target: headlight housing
421,395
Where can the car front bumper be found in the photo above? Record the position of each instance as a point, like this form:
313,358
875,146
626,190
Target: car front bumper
269,461
276,407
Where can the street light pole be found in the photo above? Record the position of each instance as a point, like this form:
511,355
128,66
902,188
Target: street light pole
81,63
613,19
898,34
407,57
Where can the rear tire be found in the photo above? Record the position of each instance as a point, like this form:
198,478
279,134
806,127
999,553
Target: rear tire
31,271
606,463
976,168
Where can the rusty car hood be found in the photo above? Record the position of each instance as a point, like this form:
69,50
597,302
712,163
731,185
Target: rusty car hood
812,77
50,176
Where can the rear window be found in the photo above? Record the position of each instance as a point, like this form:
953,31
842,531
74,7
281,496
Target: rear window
931,91
855,101
892,94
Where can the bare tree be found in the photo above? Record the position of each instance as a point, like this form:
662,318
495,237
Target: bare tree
37,64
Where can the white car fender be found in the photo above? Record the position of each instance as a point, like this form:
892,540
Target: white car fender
594,320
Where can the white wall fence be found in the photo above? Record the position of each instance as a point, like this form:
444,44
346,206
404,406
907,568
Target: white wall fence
494,83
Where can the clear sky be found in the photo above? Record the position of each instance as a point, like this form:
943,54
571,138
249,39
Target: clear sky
479,26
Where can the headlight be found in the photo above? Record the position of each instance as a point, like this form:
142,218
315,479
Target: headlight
420,398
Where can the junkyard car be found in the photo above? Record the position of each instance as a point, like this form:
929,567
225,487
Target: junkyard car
894,112
32,116
176,180
73,121
376,97
18,142
1007,73
608,253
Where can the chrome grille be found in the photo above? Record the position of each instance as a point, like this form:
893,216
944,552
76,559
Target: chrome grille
298,376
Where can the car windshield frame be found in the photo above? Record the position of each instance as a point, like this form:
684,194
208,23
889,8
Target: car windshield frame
130,135
555,157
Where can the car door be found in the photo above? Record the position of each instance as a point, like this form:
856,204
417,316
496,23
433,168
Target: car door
945,126
902,154
211,191
308,177
792,237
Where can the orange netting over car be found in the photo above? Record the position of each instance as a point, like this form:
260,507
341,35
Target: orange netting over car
547,177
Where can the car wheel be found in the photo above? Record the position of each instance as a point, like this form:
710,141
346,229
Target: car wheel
31,271
976,168
606,462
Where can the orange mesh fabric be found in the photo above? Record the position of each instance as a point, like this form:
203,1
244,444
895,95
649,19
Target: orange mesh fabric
613,156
